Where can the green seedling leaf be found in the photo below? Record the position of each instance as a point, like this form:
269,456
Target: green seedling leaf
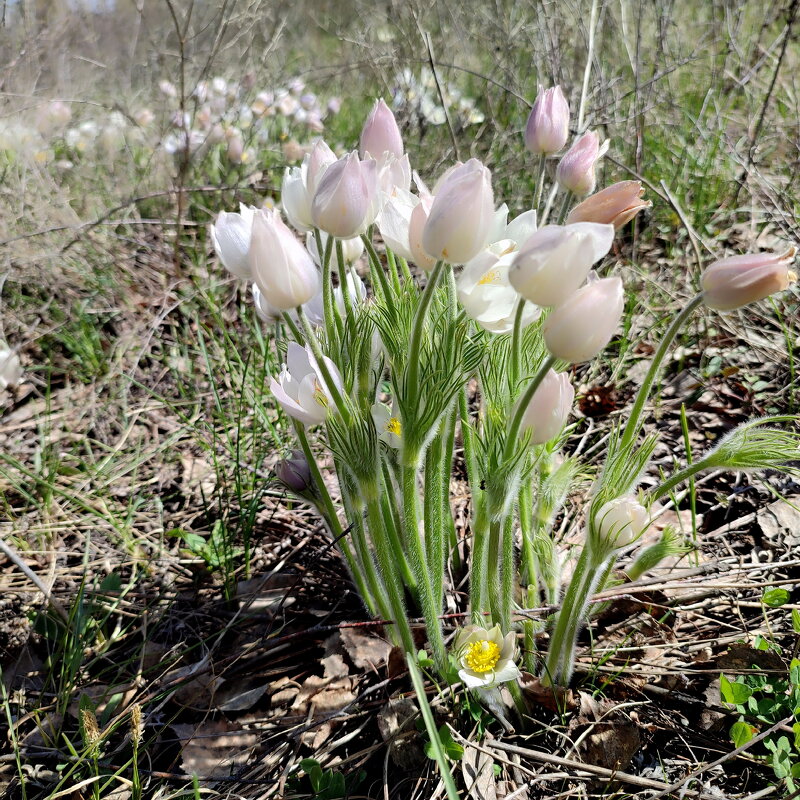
111,583
775,597
733,692
742,733
795,620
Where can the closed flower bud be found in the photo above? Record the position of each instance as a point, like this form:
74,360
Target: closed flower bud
346,201
584,323
548,124
555,260
736,281
575,171
281,266
621,522
549,407
461,216
231,237
615,205
380,133
294,473
416,228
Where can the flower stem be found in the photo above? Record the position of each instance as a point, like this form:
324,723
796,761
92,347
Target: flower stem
417,330
334,328
377,274
539,182
516,344
634,418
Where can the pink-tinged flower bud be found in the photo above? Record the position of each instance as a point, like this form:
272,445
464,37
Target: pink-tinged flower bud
547,130
416,227
575,171
736,281
549,407
380,133
282,268
615,205
346,201
584,323
621,522
461,215
556,259
294,473
319,159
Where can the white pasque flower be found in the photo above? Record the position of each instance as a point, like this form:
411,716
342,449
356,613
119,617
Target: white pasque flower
387,422
484,289
265,311
486,656
231,237
300,184
10,367
300,387
621,521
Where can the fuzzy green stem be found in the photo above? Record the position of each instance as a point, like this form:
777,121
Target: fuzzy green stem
633,424
344,286
560,659
334,328
298,336
516,344
379,280
683,475
430,726
507,574
393,273
539,182
393,525
417,331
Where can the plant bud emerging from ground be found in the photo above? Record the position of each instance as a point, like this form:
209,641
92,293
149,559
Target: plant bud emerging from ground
739,280
293,472
461,216
615,205
585,322
549,407
548,124
280,264
230,235
486,656
554,261
380,134
575,171
621,522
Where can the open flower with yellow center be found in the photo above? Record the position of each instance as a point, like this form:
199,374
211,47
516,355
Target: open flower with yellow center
486,656
388,424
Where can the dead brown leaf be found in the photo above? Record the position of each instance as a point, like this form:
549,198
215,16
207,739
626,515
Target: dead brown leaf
213,749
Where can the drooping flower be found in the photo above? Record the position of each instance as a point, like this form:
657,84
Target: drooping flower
556,259
549,407
486,656
616,205
739,280
300,388
579,328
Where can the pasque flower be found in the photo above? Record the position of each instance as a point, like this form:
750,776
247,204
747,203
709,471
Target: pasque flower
622,521
486,656
293,472
300,184
483,286
547,130
230,234
549,407
300,388
265,311
579,328
556,259
280,265
10,367
380,133
575,171
461,215
739,280
347,198
615,205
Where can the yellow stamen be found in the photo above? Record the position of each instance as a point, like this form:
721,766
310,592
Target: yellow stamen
482,656
492,276
319,394
394,426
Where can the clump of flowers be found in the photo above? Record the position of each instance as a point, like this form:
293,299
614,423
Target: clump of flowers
382,377
417,97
